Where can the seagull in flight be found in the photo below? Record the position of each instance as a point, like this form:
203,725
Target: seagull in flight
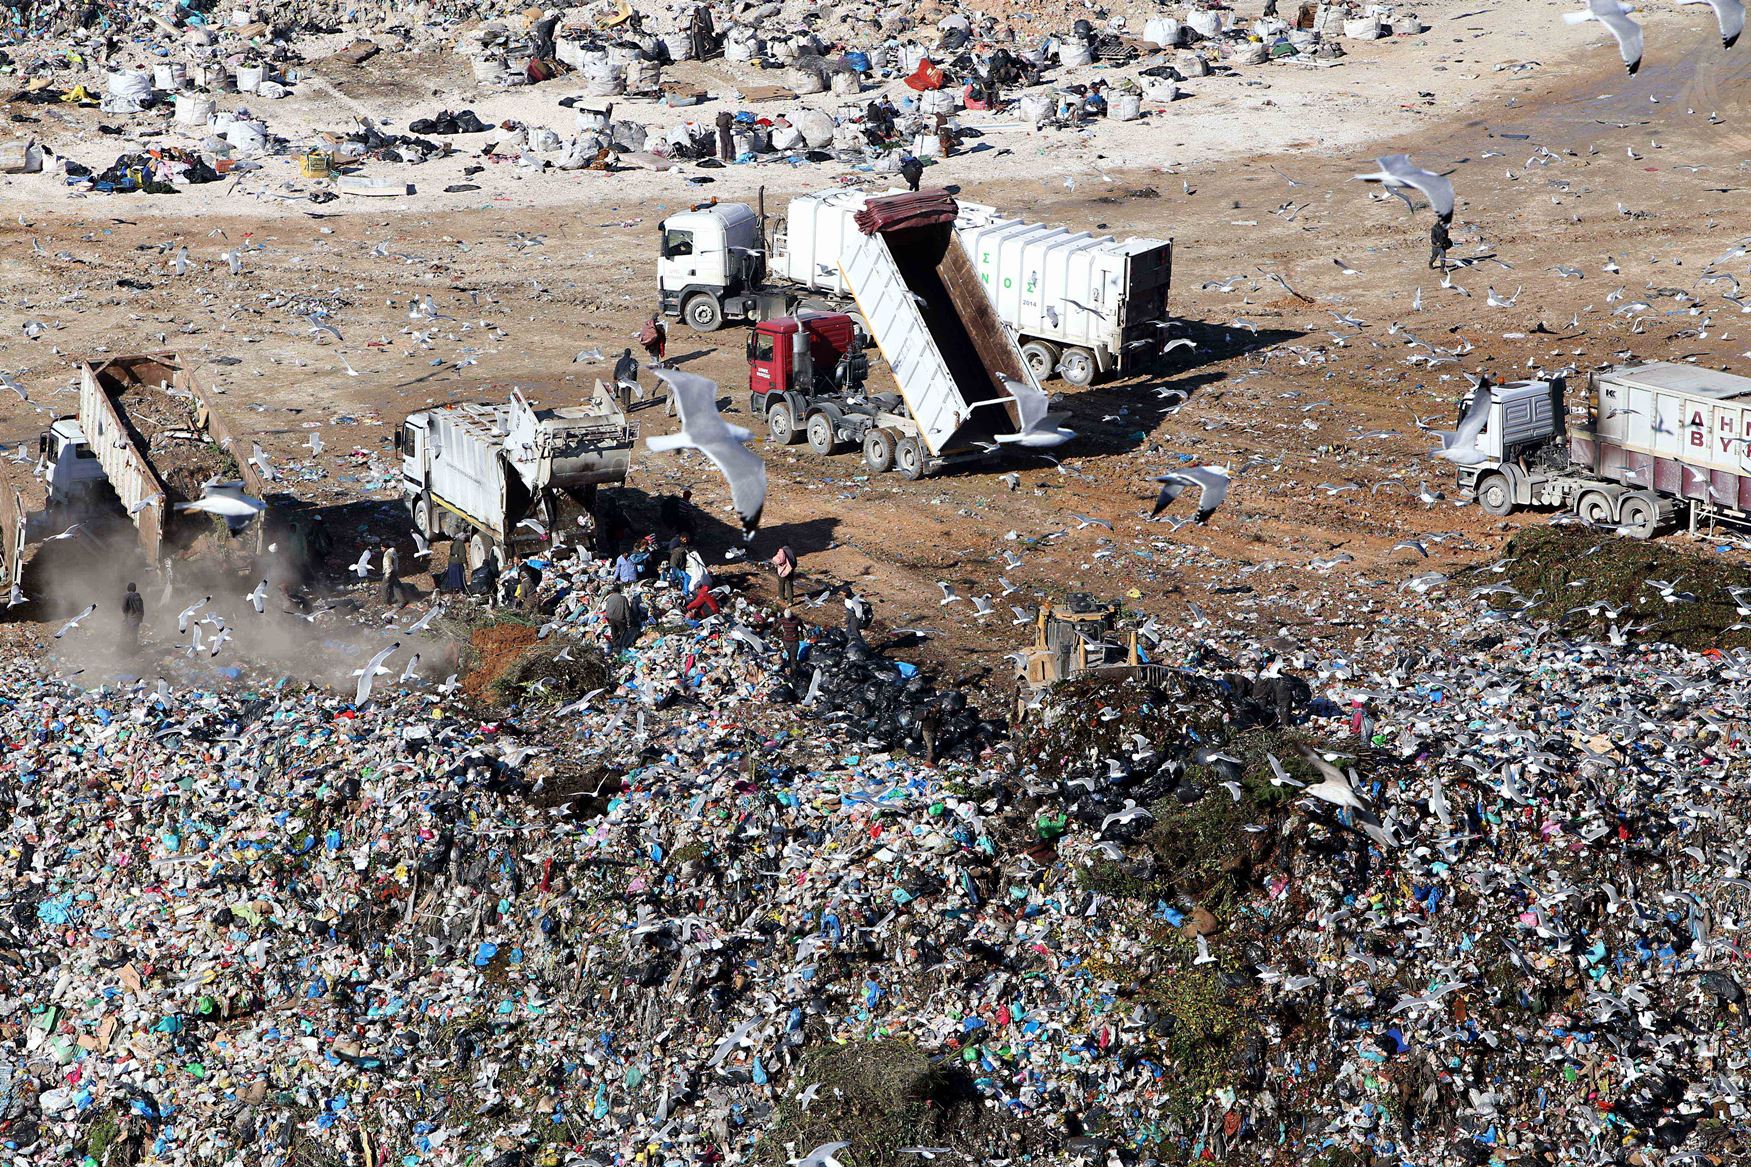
1211,481
704,429
1396,173
1614,15
1731,16
1031,405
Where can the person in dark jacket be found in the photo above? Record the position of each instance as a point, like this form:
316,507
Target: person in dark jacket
790,634
133,615
1439,242
625,377
912,171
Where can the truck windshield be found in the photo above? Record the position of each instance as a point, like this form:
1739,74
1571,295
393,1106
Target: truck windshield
677,243
762,349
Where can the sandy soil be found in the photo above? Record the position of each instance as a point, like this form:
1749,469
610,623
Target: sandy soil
1252,179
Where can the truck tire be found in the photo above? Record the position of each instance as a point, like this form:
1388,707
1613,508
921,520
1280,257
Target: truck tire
1042,358
1078,367
909,458
781,424
479,546
1495,494
823,440
422,519
1594,508
702,313
878,450
1639,518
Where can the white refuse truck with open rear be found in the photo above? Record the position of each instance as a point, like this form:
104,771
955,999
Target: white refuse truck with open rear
1661,442
494,473
1078,304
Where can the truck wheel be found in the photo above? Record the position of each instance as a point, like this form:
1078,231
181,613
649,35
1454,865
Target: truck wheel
1495,496
702,313
422,519
822,439
878,450
781,424
1042,358
479,546
1638,518
1078,367
1594,509
909,459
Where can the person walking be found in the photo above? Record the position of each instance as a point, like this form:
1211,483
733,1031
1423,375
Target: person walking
626,378
784,563
911,170
1439,242
655,339
392,585
133,615
617,610
790,634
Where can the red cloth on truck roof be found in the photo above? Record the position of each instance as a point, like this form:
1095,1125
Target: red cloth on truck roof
925,76
926,208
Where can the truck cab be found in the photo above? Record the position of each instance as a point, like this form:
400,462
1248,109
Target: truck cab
800,365
71,470
710,264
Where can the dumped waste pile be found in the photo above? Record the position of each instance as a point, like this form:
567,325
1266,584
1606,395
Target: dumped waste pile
691,919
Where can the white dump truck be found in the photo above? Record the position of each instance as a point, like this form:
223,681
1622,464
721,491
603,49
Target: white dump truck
1080,304
1660,443
481,470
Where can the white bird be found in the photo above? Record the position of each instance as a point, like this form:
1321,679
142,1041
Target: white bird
1334,786
75,622
704,429
1031,407
1729,13
1495,301
182,617
369,674
408,675
1203,956
821,1156
258,599
982,606
227,500
315,443
1211,481
1460,446
949,595
1615,17
1396,172
421,548
1085,521
362,568
260,460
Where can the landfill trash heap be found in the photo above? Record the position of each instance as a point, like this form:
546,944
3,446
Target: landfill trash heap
690,920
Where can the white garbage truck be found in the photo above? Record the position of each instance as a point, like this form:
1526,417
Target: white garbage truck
1077,304
502,474
1660,443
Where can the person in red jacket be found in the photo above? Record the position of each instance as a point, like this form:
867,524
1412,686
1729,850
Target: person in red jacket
702,604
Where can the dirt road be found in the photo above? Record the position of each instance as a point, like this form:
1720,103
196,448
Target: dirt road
1303,386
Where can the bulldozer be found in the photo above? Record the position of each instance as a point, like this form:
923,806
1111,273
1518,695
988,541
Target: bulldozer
1073,638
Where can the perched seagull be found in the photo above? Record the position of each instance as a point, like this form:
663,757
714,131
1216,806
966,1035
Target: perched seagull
258,599
75,622
704,429
1615,17
1031,406
369,674
1730,14
1211,481
1396,172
